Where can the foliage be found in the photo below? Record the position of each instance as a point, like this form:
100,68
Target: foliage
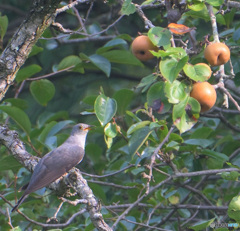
151,147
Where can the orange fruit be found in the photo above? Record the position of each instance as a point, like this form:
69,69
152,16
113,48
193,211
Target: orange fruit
205,94
217,54
141,47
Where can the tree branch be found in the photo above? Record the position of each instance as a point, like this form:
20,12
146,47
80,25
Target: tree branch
15,54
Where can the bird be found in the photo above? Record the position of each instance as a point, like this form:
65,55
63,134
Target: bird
57,162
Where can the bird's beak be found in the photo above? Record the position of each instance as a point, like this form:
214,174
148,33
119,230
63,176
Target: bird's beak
89,128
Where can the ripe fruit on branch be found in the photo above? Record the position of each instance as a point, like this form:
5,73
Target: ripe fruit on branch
205,94
141,46
217,54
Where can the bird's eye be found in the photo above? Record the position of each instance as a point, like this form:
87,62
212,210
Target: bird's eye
80,127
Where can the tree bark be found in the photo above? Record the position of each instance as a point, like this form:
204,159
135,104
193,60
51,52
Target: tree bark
39,18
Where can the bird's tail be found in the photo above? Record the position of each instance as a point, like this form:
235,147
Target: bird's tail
20,201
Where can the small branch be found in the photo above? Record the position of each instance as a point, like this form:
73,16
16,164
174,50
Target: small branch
223,119
205,172
110,174
213,22
51,74
146,225
148,23
111,184
75,202
56,213
225,91
189,219
69,6
153,158
138,200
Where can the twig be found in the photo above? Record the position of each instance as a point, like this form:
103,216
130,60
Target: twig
51,74
225,91
56,213
189,219
146,225
75,202
112,184
148,23
205,172
138,200
223,119
9,219
110,174
61,225
153,158
164,140
69,6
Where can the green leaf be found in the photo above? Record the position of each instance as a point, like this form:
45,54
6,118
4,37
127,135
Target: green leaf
175,52
35,51
160,36
110,130
132,115
73,62
137,126
197,72
202,225
128,7
234,209
171,66
46,130
98,191
20,103
201,133
199,142
102,63
69,61
105,108
123,98
42,90
230,175
216,155
3,25
27,72
117,42
215,2
156,98
175,91
147,81
19,116
122,56
202,14
185,114
9,163
138,138
197,6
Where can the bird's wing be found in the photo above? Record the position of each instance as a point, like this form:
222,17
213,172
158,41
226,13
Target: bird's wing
54,165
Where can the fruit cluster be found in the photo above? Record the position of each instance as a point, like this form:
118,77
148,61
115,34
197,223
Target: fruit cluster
215,53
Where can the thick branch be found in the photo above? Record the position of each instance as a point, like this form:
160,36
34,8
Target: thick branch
15,54
74,178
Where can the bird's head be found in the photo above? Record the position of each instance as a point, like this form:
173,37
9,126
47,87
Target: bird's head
81,129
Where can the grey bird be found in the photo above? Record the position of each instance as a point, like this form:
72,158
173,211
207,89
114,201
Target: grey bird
57,162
